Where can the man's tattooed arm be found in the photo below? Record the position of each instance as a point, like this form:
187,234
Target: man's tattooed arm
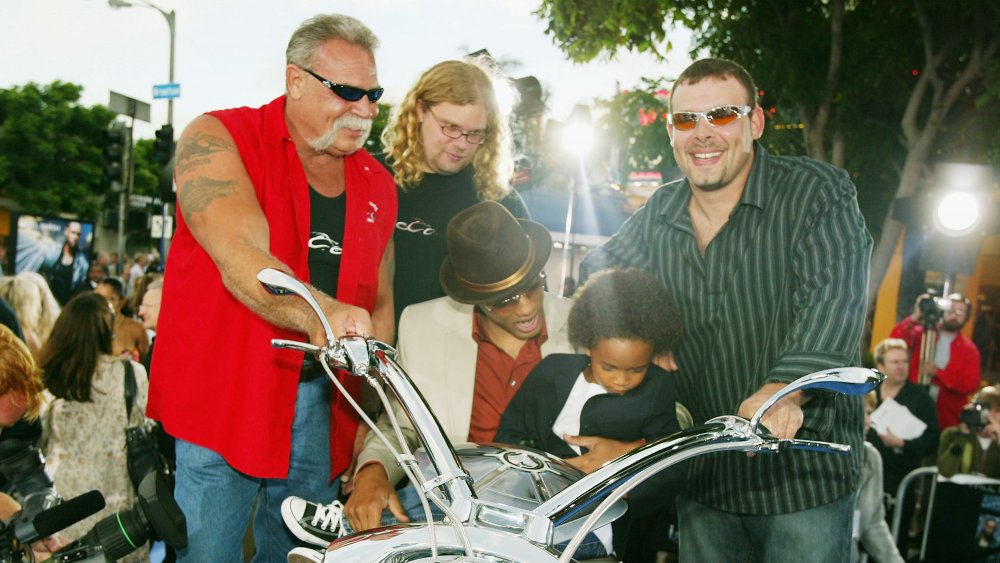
199,193
196,152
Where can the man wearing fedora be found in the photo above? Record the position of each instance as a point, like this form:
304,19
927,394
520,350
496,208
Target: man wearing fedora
468,353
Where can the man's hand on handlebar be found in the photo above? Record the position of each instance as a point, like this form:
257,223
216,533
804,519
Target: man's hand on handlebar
783,419
344,320
372,494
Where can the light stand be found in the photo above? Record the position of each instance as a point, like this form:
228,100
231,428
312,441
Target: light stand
578,135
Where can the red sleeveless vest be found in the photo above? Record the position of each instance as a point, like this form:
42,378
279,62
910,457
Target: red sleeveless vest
218,383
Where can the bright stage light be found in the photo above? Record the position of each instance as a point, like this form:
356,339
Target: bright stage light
578,133
957,213
577,137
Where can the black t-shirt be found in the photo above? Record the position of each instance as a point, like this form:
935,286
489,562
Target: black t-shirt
421,232
327,216
60,280
326,239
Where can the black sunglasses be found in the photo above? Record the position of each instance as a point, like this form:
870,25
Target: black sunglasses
349,93
505,304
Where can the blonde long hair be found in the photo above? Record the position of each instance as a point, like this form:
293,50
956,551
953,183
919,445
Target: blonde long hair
36,307
459,83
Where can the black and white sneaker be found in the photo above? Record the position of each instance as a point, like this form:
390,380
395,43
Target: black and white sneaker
318,524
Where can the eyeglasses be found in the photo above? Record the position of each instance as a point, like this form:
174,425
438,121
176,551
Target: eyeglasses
507,303
716,117
452,132
349,93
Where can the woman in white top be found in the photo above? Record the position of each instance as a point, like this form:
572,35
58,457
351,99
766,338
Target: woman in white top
84,416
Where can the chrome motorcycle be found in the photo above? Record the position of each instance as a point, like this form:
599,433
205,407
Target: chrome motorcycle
508,504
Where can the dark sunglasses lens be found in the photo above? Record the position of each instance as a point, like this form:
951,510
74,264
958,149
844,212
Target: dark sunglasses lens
684,121
723,115
352,94
349,93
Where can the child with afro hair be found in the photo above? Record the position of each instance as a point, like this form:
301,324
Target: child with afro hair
611,396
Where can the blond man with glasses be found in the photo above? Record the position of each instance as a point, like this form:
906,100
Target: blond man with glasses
448,146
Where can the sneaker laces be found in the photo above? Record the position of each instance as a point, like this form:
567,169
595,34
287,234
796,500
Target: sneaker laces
329,517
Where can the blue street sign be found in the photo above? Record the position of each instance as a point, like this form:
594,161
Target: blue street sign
172,90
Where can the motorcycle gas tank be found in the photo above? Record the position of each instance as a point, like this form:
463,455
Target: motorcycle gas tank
520,477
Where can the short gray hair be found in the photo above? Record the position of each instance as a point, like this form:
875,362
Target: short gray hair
318,29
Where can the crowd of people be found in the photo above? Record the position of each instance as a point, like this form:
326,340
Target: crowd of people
726,286
80,350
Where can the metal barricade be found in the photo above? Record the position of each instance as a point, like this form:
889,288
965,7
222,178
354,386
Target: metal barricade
897,516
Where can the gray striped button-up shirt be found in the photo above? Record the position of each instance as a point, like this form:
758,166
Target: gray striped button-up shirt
779,293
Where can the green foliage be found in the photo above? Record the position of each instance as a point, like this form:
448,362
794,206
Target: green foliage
51,149
147,171
636,123
585,29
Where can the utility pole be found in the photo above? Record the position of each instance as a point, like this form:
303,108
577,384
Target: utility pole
171,18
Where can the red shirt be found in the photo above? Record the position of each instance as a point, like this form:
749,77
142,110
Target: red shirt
498,378
218,382
956,381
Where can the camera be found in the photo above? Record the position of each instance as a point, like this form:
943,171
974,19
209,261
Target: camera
931,308
975,416
154,515
23,465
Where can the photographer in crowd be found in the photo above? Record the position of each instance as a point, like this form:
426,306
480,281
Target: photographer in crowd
971,446
20,398
954,369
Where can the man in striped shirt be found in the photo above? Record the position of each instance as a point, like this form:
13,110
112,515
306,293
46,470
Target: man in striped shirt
768,258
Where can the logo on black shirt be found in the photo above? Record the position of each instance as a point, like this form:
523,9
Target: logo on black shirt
416,226
323,241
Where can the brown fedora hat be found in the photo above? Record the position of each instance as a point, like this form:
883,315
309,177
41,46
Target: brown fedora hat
492,255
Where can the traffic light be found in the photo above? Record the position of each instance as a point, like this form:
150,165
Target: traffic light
114,153
164,149
163,154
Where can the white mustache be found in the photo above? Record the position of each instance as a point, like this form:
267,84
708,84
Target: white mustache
350,121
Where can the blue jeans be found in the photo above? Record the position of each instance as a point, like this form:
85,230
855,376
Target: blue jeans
217,500
409,498
817,535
